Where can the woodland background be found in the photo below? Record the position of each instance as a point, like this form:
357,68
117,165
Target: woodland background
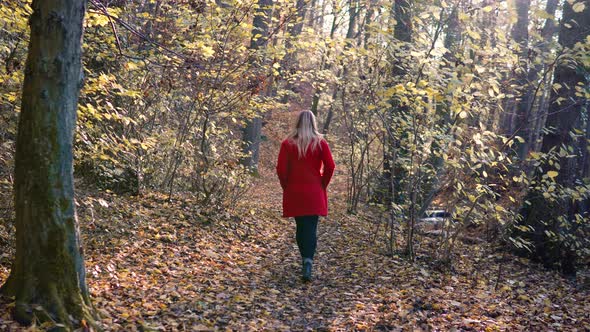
477,107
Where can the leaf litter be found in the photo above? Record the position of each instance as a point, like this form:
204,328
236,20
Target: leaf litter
155,265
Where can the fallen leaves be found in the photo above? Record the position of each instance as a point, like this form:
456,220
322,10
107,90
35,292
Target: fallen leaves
156,266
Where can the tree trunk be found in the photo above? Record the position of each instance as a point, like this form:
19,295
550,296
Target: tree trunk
369,15
528,80
353,11
301,11
524,78
520,36
312,17
451,43
537,119
48,278
403,20
323,65
402,33
289,61
563,115
562,118
252,130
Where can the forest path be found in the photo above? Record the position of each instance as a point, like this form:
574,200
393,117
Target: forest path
174,272
244,274
155,265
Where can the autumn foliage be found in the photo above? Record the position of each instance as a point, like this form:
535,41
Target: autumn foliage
460,132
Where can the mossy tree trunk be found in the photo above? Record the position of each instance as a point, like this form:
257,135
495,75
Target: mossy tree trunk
48,277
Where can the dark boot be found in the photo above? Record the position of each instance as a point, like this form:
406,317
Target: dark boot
306,270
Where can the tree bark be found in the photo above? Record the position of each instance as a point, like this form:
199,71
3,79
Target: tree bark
353,11
289,64
520,36
451,43
562,118
403,20
528,79
311,21
537,121
524,77
252,130
509,105
48,276
563,115
324,65
402,33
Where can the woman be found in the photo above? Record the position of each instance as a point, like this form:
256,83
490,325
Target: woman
305,167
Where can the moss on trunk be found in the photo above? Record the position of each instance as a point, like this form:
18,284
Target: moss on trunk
48,277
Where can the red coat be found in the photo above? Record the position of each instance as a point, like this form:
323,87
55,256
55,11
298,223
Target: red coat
303,180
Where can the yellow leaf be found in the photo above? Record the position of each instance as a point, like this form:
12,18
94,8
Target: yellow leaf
579,7
11,97
131,66
523,297
98,20
208,51
552,174
473,34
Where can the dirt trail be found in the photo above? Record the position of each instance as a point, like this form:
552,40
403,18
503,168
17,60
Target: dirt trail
154,265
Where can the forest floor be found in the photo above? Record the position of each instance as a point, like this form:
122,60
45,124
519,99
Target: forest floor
153,266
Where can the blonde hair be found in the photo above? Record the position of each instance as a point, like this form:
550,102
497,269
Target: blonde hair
305,134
